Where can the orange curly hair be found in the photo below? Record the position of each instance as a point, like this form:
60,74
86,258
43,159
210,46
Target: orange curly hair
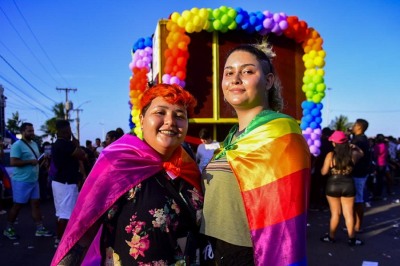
172,93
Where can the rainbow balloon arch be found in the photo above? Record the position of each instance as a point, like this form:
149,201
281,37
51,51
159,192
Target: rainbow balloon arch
224,19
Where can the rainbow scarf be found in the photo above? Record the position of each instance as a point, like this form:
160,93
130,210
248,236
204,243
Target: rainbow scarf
271,162
121,166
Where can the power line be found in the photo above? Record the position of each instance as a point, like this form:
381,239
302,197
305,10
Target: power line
23,64
24,94
367,111
37,41
26,45
26,79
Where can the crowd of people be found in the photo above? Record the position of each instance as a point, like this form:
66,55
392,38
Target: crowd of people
52,171
351,172
152,200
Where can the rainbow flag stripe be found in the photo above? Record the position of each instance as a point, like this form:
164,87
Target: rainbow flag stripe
271,162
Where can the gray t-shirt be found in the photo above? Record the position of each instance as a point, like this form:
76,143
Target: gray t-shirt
224,216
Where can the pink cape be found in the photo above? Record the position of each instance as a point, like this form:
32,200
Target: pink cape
121,166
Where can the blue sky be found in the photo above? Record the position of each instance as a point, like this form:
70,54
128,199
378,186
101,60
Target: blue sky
87,45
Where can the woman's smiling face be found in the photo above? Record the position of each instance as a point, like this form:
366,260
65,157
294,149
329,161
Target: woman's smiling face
164,126
244,84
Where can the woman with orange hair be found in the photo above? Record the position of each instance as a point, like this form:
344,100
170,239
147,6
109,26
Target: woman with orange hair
143,195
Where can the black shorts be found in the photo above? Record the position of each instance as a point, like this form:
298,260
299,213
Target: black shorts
340,186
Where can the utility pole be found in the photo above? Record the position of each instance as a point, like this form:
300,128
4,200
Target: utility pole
77,122
68,104
2,112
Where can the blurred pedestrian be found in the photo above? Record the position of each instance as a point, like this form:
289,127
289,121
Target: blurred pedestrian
340,190
24,157
381,155
205,150
361,170
66,158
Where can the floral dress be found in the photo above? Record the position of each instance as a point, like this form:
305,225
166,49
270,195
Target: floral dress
143,226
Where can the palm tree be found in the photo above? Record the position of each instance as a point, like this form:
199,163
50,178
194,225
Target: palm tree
341,123
49,127
14,123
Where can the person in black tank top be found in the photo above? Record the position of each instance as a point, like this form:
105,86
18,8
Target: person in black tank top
340,190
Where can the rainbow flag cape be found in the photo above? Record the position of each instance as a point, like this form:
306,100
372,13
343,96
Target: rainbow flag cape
122,165
271,161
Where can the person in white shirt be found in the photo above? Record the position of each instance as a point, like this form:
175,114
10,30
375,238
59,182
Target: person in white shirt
205,151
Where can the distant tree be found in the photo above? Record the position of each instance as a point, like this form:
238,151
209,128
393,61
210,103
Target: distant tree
49,127
341,123
14,123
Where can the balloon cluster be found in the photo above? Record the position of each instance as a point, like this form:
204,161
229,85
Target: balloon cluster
274,22
313,86
313,138
297,30
261,22
224,19
194,20
142,56
310,123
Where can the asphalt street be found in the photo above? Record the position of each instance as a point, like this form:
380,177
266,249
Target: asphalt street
381,236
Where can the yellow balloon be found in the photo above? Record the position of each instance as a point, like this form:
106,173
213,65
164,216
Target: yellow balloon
207,25
196,21
189,27
181,22
319,61
309,63
322,53
187,15
175,16
321,72
312,54
203,13
312,72
195,10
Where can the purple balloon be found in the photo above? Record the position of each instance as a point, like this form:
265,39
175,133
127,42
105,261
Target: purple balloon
308,130
318,131
314,150
277,17
174,80
166,78
283,24
268,23
317,143
268,14
276,29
